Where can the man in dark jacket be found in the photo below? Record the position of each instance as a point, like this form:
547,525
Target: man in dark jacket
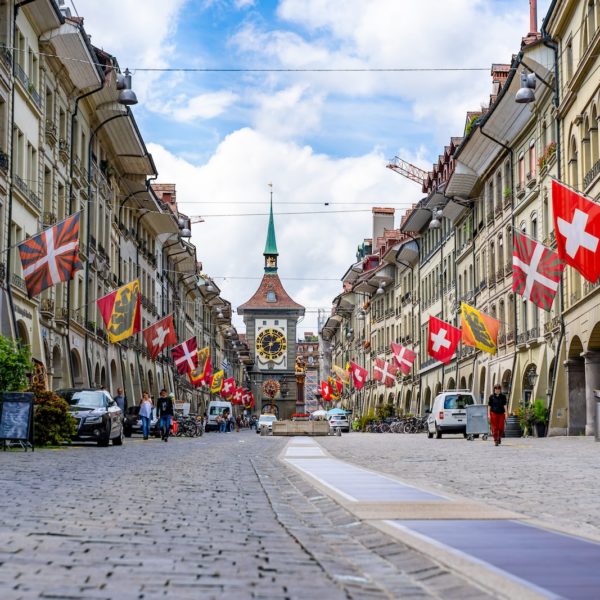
164,410
496,411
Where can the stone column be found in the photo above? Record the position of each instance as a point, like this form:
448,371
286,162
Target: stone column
300,407
576,396
592,382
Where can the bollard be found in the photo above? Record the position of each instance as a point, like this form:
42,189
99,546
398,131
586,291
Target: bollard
597,395
338,431
263,430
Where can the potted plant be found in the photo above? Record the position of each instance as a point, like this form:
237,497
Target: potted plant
541,416
526,419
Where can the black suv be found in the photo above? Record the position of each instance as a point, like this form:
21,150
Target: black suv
97,415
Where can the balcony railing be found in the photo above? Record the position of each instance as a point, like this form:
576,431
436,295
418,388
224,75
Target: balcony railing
6,54
507,201
508,268
498,209
591,174
77,316
510,336
51,133
520,189
21,185
502,339
62,315
47,308
533,333
4,164
500,274
63,150
521,338
575,297
550,239
590,287
552,324
18,282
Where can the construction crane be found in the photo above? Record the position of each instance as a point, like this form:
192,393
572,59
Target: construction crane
407,170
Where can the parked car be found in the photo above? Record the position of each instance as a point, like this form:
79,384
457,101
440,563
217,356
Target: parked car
266,421
449,413
132,422
98,417
340,421
216,408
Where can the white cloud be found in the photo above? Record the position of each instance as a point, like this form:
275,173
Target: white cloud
204,106
244,3
310,245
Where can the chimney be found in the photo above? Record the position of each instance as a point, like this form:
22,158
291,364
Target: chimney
383,218
532,17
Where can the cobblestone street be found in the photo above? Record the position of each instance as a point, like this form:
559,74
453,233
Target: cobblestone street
214,517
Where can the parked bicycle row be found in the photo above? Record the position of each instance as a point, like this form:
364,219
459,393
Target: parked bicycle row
402,425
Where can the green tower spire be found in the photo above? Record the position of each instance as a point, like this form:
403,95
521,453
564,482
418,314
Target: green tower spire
270,252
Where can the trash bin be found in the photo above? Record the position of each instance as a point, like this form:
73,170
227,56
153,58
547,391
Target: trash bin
477,421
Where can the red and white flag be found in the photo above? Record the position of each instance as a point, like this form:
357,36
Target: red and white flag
577,227
442,340
51,256
237,396
160,335
185,356
403,357
228,389
536,271
359,375
325,391
385,372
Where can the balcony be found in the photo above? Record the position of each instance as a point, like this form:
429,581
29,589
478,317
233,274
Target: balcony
520,189
77,316
4,164
531,180
575,297
48,219
588,286
498,210
62,316
533,333
18,282
510,337
521,338
552,325
500,274
64,151
28,85
507,201
468,244
6,55
591,174
47,308
502,339
550,240
508,268
50,132
490,217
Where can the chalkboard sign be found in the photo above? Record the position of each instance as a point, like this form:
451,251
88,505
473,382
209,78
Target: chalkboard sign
16,416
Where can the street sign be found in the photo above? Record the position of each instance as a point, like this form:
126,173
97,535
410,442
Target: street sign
16,418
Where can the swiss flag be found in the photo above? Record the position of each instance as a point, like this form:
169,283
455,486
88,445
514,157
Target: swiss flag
442,340
160,335
228,389
359,375
385,372
325,391
403,357
237,396
577,227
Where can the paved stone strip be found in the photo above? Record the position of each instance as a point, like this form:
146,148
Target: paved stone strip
367,562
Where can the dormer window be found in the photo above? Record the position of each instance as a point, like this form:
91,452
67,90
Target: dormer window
271,296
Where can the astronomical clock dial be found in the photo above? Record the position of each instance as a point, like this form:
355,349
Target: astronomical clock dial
271,344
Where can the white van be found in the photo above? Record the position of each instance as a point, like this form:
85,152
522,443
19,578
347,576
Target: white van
216,408
449,413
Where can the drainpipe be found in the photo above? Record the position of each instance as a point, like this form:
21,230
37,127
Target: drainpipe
88,234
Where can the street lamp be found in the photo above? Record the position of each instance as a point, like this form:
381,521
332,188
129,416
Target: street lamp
531,377
127,96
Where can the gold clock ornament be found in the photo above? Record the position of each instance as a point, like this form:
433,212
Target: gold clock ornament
271,344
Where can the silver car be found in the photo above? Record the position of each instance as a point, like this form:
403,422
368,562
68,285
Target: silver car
340,421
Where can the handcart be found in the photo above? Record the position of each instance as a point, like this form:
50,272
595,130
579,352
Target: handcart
477,421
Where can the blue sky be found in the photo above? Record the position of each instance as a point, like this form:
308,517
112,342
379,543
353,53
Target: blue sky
318,137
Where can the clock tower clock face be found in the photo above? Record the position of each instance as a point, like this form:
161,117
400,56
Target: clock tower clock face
271,344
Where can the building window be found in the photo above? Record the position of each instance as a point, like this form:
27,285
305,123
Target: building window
521,170
531,160
271,298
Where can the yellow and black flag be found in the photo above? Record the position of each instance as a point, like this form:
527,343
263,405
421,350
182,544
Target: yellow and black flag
217,382
121,311
478,329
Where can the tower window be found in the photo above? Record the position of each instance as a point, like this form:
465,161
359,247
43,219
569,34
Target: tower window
271,296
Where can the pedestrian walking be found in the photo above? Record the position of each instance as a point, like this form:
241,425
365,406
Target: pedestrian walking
120,400
165,410
496,412
146,408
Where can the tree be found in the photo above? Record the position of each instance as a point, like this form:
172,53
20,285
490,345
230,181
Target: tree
15,365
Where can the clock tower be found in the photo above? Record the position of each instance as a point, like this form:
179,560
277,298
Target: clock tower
271,319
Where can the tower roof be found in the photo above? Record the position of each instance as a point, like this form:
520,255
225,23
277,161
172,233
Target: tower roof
271,245
270,295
